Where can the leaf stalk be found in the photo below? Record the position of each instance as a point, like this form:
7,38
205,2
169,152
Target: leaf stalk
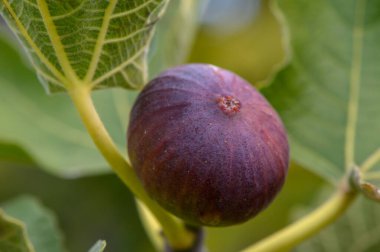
175,231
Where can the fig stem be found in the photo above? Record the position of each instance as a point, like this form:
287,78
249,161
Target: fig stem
151,225
174,229
198,245
309,225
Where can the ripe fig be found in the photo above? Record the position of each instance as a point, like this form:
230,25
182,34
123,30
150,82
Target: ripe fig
207,146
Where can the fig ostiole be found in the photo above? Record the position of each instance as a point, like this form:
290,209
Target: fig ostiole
207,146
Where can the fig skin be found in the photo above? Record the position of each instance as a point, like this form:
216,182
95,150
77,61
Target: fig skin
207,146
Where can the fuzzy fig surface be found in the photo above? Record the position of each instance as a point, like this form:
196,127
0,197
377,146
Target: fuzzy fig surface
207,146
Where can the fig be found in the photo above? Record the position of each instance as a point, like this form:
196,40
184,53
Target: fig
207,146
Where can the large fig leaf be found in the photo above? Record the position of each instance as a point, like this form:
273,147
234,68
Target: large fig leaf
40,223
48,128
328,95
98,43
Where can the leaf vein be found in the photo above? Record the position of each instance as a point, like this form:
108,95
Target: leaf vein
129,36
31,43
354,86
31,4
128,12
100,41
71,12
118,68
57,43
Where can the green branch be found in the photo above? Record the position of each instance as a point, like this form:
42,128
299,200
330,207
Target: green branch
308,226
176,233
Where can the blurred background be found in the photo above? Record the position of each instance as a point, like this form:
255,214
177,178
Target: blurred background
242,36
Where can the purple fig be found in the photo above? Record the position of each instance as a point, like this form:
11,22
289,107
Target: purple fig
207,146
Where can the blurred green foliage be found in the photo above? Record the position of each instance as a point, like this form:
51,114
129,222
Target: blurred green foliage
40,223
328,95
87,209
13,235
99,206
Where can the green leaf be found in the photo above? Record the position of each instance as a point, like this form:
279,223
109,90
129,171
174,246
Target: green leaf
357,231
99,246
13,237
48,128
40,223
328,95
96,43
76,204
13,154
44,126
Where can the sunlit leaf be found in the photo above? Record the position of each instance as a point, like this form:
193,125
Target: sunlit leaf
101,43
328,95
